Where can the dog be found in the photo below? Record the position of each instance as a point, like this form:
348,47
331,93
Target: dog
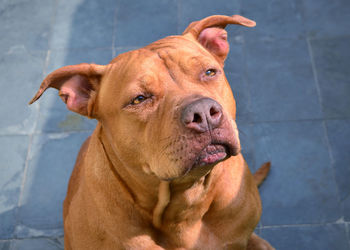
163,168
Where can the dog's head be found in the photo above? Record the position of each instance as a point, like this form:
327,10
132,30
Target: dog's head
167,108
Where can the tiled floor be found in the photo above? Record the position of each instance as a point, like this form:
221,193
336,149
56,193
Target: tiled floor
290,76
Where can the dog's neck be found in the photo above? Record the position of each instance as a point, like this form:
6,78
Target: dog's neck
139,188
156,197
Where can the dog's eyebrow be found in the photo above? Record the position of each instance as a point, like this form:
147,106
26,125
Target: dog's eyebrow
147,82
145,79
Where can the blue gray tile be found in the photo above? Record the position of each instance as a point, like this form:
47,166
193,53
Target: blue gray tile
139,23
332,60
37,243
20,72
121,50
300,188
192,10
235,61
23,26
236,76
274,19
339,139
326,18
242,97
281,81
83,24
12,162
55,117
320,237
247,144
60,58
51,162
5,244
346,209
270,72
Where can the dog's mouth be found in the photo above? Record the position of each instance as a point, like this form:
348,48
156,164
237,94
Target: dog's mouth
212,154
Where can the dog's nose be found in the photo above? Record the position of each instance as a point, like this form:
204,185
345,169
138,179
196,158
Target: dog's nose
202,115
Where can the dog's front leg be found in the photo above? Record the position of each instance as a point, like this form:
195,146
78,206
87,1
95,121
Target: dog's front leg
257,243
142,242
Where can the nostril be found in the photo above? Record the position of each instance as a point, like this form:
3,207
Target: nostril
202,115
213,112
197,118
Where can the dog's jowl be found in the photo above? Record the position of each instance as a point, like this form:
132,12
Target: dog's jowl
163,168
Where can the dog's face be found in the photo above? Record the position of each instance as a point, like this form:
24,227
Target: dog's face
171,105
167,109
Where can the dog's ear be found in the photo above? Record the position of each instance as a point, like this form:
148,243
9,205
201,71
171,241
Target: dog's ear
77,85
211,34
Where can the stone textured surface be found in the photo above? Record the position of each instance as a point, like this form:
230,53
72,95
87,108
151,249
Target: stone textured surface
281,80
20,70
37,243
331,62
302,189
41,215
320,237
290,76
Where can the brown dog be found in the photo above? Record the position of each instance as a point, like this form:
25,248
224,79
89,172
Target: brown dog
163,168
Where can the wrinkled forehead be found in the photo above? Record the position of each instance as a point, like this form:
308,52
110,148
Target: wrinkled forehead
172,54
181,51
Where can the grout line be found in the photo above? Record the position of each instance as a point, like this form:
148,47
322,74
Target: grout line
49,132
79,49
64,132
330,37
34,237
347,228
240,9
31,134
53,21
318,89
314,71
331,156
245,76
296,120
127,47
114,32
338,222
24,178
240,122
47,61
178,17
31,51
248,88
12,245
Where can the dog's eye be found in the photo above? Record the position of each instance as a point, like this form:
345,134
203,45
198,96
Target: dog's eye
210,72
138,99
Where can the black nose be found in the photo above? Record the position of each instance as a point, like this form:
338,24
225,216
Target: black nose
202,115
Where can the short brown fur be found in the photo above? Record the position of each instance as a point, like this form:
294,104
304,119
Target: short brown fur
149,177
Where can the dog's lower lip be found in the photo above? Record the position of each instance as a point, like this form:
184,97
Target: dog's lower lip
213,153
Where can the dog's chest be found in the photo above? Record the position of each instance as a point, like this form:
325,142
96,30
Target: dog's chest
187,221
199,234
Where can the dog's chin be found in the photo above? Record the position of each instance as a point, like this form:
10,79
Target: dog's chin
203,158
201,163
211,155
